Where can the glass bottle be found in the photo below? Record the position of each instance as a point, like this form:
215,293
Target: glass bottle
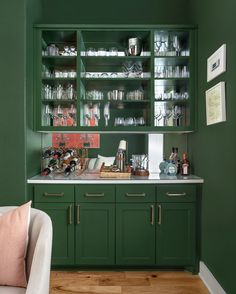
185,165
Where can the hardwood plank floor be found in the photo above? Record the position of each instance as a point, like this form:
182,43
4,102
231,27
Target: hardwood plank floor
126,282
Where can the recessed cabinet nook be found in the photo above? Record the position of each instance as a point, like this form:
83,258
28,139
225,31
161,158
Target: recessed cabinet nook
118,78
89,79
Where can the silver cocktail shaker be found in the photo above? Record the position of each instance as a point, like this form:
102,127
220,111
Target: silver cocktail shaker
134,46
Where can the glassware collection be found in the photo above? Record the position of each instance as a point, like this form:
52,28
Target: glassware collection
58,92
58,116
168,115
150,68
170,44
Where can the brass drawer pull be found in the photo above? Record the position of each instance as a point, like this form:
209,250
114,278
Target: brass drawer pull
152,215
94,194
135,194
78,214
175,194
53,194
159,214
70,215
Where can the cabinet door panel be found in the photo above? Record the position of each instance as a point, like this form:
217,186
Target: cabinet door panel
176,228
95,193
95,234
62,216
135,234
135,193
53,193
176,193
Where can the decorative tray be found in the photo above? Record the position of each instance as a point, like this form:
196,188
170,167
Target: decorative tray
115,175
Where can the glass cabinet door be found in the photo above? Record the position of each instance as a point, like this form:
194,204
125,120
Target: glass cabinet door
58,78
115,81
172,85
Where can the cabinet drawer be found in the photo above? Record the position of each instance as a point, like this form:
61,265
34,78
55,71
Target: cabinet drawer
135,193
54,193
176,193
95,193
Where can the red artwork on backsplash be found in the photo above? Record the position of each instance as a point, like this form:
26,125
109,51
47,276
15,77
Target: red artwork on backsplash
75,140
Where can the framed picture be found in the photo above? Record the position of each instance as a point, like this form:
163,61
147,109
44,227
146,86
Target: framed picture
216,63
215,104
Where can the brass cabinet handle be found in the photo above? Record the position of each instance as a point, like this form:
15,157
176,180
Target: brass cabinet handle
78,215
70,215
175,194
159,214
53,194
94,194
152,215
135,194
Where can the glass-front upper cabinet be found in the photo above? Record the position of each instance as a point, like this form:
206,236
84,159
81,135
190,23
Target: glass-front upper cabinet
57,71
114,78
173,79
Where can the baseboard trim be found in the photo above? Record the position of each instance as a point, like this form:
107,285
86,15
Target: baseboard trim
209,280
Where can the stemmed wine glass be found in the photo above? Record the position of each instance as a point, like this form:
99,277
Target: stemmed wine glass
176,45
72,114
106,113
177,115
166,114
158,116
87,115
96,113
161,44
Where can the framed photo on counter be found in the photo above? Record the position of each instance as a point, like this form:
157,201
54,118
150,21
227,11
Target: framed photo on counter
215,104
216,63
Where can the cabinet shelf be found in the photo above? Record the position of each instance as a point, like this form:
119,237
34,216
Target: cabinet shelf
59,61
58,79
114,60
58,101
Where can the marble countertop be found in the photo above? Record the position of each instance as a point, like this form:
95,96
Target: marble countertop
93,178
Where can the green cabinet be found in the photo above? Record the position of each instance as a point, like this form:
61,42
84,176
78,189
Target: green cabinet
95,234
122,224
175,234
95,224
62,216
135,225
176,225
87,79
58,202
135,234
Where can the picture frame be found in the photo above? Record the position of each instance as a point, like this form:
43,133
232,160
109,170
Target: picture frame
215,104
216,63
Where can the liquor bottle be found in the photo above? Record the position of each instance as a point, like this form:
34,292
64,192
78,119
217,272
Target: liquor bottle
185,165
58,153
48,153
71,166
68,154
48,170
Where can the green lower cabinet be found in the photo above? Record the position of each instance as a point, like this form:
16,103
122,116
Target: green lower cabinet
62,216
95,234
135,234
175,234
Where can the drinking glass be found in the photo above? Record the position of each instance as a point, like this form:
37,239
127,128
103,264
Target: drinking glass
113,51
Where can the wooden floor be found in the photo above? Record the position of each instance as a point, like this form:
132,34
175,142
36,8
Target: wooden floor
128,282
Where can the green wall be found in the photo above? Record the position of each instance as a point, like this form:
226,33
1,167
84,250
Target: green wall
213,147
12,77
116,12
